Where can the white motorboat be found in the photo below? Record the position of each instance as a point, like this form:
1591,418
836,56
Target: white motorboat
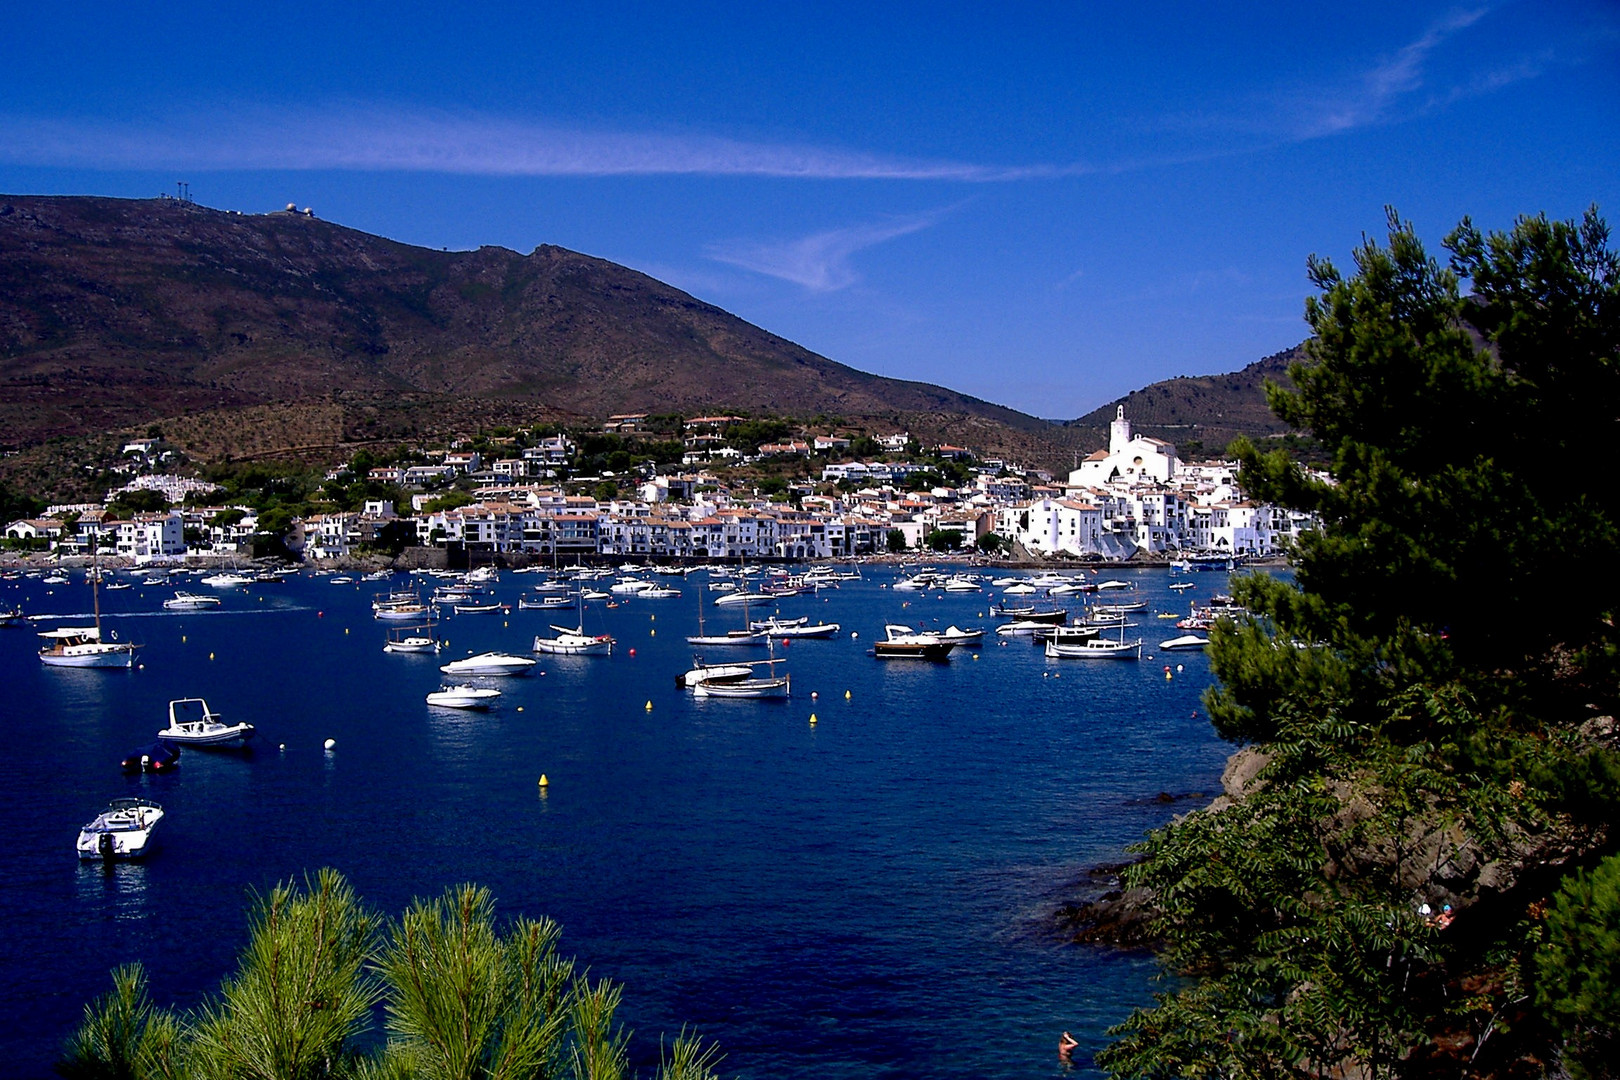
192,723
82,647
735,598
630,587
122,831
490,663
463,697
902,642
1023,628
658,592
1180,585
227,579
1022,589
750,686
1186,641
701,673
595,594
1106,586
962,637
962,584
188,601
796,628
484,574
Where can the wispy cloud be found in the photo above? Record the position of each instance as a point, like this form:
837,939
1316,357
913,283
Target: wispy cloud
821,261
367,138
1369,98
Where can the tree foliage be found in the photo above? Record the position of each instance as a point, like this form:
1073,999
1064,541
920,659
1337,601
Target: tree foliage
464,1000
1423,700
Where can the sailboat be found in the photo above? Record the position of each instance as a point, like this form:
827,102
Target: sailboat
771,686
574,641
83,646
746,636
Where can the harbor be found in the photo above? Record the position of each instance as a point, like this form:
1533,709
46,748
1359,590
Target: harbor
866,870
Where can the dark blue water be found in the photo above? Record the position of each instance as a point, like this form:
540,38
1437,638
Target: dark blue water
868,896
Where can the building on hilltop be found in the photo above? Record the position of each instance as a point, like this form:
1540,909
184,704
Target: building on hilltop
1128,458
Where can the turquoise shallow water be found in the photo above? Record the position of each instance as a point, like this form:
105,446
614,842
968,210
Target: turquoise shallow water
868,896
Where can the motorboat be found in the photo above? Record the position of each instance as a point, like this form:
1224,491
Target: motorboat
630,587
658,592
1186,641
192,723
1070,588
1181,585
734,598
796,628
1021,589
463,697
188,601
1106,586
771,686
10,616
702,673
962,584
484,574
595,594
122,831
1024,628
227,579
82,647
115,586
158,757
1120,609
962,637
904,643
490,663
411,639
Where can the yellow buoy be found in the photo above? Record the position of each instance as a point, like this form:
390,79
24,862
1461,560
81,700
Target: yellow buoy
653,618
504,624
543,781
812,718
652,633
210,656
975,656
182,639
345,629
846,695
520,708
649,706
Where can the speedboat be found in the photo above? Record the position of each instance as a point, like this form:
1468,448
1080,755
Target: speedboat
463,697
81,646
1114,583
731,599
1186,641
658,592
159,757
187,601
962,637
192,723
122,831
490,663
227,579
903,642
1180,585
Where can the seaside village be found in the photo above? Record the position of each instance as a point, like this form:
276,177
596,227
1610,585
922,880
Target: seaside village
1136,499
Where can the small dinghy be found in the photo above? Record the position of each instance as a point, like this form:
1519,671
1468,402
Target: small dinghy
122,831
192,723
159,757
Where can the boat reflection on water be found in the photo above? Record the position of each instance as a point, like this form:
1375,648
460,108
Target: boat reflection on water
119,889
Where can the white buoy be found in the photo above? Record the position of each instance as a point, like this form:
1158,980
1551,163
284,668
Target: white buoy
283,746
330,744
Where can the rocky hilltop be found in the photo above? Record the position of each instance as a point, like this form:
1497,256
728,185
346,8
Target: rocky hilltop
118,312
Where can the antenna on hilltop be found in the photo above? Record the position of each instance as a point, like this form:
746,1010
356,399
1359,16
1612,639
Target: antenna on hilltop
182,191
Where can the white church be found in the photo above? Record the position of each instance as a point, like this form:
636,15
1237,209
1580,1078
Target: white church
1133,460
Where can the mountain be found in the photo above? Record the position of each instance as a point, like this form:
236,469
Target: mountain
288,331
1201,414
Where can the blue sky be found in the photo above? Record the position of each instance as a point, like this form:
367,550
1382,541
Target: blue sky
1043,205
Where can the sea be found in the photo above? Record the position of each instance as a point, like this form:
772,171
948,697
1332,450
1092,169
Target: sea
860,881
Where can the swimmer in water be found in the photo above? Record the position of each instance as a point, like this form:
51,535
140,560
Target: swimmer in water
1066,1046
